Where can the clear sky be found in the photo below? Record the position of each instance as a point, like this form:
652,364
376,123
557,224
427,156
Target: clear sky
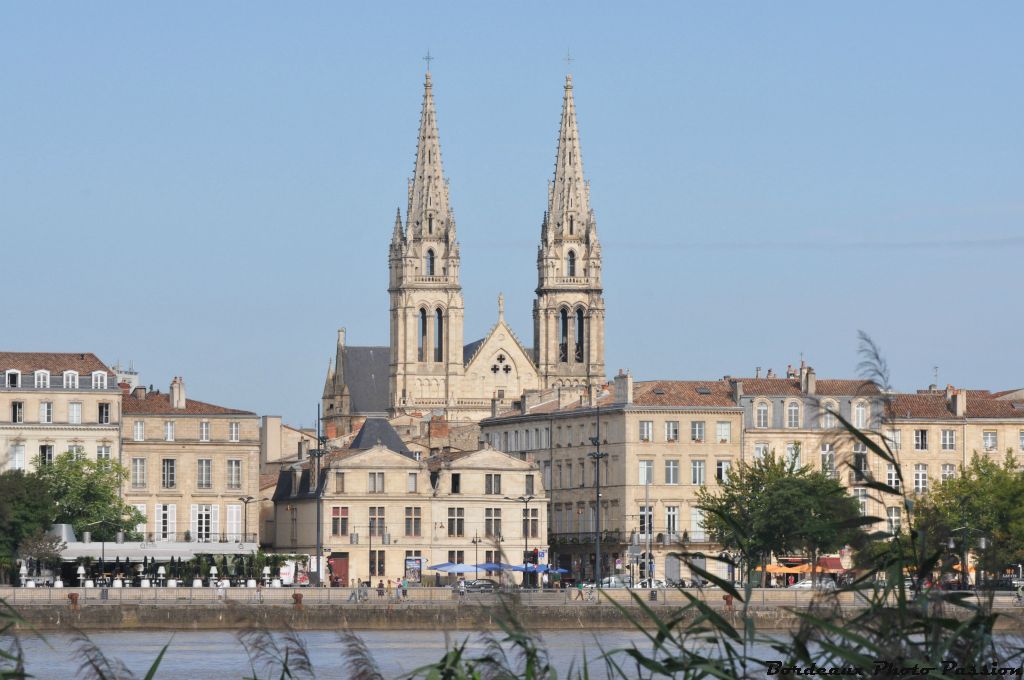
208,189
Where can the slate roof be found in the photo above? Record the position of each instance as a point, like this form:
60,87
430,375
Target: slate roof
159,403
376,430
54,362
367,371
469,350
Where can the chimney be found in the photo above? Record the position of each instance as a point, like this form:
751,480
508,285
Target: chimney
949,392
790,372
757,372
341,337
494,408
808,381
624,388
737,390
139,392
303,451
771,373
126,389
178,393
959,403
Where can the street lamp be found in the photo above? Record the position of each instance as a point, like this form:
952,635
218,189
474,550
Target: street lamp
245,514
597,455
103,542
965,550
476,553
525,500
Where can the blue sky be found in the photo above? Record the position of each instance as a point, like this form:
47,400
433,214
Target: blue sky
208,189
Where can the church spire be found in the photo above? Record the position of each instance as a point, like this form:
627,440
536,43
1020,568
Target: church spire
428,213
569,193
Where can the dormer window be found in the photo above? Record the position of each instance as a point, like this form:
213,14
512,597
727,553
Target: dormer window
42,379
70,380
99,380
13,379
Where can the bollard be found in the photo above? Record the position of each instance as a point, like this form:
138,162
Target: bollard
297,598
74,601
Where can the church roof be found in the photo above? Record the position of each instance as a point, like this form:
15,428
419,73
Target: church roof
379,431
469,350
366,371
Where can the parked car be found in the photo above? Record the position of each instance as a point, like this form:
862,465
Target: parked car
481,585
652,583
806,584
614,582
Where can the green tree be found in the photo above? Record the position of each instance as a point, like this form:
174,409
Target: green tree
26,507
86,495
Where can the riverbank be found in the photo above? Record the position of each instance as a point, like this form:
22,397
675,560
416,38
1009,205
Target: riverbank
456,617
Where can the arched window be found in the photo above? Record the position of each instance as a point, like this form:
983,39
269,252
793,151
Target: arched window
762,415
828,415
438,335
572,223
430,263
70,380
430,224
99,380
860,418
793,415
421,342
580,327
570,264
563,335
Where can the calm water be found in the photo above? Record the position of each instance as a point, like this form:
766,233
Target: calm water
218,654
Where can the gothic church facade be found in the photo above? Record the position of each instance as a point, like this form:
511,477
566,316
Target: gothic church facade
427,368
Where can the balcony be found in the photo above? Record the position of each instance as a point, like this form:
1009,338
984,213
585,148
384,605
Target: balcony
585,538
858,476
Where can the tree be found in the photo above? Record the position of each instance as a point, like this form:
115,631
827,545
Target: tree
43,549
86,495
26,507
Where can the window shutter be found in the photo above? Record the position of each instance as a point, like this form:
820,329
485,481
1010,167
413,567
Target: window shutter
141,528
172,521
215,523
194,524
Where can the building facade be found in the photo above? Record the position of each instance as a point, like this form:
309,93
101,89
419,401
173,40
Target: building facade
193,467
52,403
427,367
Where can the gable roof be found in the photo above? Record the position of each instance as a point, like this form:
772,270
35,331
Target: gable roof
933,405
683,393
54,362
824,387
367,371
159,403
378,431
468,351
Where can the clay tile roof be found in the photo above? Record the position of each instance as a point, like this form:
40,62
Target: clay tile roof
159,403
268,481
683,393
994,408
54,362
770,387
921,406
841,388
825,387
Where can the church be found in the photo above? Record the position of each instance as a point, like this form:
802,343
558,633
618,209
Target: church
428,369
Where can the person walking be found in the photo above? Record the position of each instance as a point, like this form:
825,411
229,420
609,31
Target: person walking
462,586
579,590
389,589
405,588
380,589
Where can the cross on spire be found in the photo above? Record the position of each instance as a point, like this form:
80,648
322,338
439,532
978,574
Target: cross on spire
428,59
568,60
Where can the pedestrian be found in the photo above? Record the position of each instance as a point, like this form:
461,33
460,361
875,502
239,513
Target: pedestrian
405,588
462,586
579,590
389,589
380,589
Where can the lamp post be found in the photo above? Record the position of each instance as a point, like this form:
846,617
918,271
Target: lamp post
525,500
476,553
597,455
965,553
103,542
245,514
318,453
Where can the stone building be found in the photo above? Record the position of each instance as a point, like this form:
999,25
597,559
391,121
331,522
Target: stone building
427,368
54,402
381,506
193,467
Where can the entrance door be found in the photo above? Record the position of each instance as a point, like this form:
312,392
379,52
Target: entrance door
339,568
671,569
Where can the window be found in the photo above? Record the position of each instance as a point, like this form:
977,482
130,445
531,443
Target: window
860,415
1022,440
42,380
948,472
892,477
531,522
457,556
920,478
696,524
570,264
896,439
646,517
760,450
793,415
421,341
339,521
492,484
989,440
166,521
568,475
375,483
722,471
234,474
761,415
70,380
413,521
204,474
99,380
697,430
671,430
339,482
13,379
233,431
168,478
376,521
17,411
920,440
492,522
646,474
860,463
17,456
410,482
948,440
529,485
457,482
828,416
580,334
828,460
430,262
671,471
893,519
563,336
861,494
139,431
793,454
546,467
204,431
697,472
169,431
77,451
646,430
138,473
46,454
672,519
723,432
103,452
75,413
456,521
438,335
377,563
103,414
46,411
